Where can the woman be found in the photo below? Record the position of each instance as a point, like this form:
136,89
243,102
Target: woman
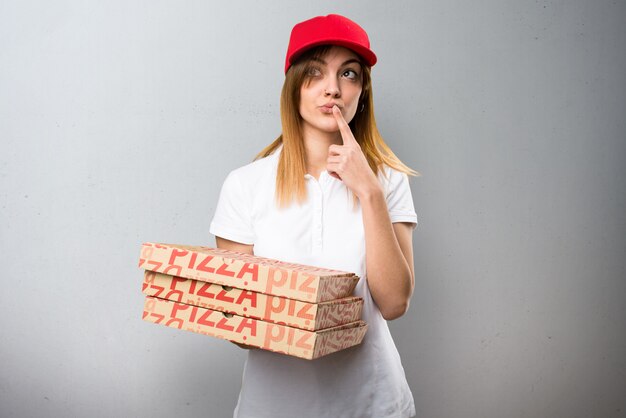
327,192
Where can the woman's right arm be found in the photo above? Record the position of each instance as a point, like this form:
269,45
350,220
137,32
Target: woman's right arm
234,246
227,244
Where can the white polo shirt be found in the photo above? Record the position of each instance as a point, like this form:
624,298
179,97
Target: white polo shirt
325,231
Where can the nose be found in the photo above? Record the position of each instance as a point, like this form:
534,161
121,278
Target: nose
332,88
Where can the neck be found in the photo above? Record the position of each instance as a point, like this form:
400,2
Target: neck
316,145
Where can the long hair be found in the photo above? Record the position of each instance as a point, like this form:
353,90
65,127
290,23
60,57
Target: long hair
290,181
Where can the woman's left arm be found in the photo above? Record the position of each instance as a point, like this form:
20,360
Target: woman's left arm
388,247
389,257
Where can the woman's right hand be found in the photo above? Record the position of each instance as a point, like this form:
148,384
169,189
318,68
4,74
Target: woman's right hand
244,346
242,248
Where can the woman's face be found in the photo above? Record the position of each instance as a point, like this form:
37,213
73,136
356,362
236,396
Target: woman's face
334,79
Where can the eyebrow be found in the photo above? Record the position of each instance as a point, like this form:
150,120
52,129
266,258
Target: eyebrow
350,61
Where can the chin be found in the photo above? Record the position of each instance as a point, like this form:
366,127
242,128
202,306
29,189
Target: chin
329,129
325,126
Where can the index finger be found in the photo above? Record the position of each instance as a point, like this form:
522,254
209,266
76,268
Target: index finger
344,128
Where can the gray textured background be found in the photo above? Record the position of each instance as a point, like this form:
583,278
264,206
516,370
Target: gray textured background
119,121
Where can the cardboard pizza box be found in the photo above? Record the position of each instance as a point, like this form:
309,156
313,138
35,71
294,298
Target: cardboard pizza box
265,335
245,271
277,309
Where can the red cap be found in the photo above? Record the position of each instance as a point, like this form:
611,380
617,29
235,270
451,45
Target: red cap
329,30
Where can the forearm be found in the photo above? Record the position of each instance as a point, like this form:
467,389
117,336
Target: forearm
389,275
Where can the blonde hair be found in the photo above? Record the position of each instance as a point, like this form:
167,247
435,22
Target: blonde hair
290,181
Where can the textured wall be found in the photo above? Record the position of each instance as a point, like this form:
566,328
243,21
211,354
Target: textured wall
120,120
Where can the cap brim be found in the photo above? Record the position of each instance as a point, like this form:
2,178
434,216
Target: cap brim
366,54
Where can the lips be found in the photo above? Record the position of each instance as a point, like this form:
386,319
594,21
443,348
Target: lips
328,108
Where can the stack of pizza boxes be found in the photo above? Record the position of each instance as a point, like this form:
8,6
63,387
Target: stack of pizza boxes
293,309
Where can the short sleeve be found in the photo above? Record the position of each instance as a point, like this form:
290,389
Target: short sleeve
399,198
232,219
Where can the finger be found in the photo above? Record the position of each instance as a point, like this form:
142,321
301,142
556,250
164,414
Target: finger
334,149
334,168
334,159
335,175
344,129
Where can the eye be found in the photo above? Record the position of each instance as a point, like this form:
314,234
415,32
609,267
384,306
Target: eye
350,74
313,72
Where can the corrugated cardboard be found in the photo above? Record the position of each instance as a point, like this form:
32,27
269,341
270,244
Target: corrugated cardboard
244,271
295,313
266,335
